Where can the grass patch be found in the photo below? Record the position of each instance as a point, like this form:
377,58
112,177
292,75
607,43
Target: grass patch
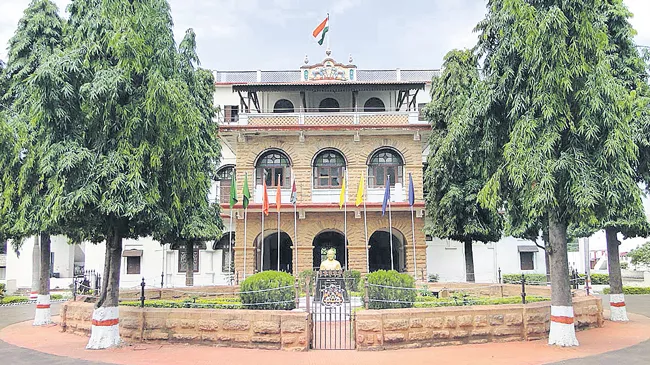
14,299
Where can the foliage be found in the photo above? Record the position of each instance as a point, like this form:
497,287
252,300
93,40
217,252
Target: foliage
353,280
14,299
390,289
260,291
631,290
219,303
573,247
531,279
56,296
640,255
624,265
302,279
433,278
461,299
2,290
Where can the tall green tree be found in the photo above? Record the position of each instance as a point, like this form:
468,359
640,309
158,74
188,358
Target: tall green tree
622,210
566,122
121,156
190,217
38,35
456,172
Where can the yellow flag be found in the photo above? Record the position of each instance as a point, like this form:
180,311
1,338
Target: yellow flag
342,197
360,191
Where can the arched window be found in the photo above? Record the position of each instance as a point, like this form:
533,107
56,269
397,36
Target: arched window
283,106
328,105
224,176
374,105
385,162
273,164
328,170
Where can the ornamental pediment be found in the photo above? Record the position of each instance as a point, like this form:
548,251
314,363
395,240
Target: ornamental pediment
328,70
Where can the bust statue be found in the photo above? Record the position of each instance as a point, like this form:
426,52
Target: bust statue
330,263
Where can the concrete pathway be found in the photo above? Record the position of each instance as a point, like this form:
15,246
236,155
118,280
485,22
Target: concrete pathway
535,352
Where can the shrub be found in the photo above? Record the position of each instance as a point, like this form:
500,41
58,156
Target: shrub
256,294
531,279
14,299
302,278
353,280
56,296
219,303
390,289
630,290
433,278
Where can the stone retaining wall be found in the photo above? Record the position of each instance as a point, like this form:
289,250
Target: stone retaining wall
182,292
408,328
224,327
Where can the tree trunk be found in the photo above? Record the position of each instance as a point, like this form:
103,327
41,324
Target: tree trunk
105,329
36,269
547,257
562,331
616,297
469,262
43,315
189,260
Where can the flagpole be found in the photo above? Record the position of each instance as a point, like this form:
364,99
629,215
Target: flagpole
280,200
345,222
245,238
415,264
262,241
230,248
365,225
328,33
390,226
295,237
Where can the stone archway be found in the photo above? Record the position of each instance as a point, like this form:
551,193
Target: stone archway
379,250
323,241
270,259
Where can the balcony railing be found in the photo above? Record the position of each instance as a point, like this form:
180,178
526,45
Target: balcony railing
233,77
323,119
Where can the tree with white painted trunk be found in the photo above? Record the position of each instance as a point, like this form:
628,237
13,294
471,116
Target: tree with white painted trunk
134,116
190,219
562,122
456,172
38,35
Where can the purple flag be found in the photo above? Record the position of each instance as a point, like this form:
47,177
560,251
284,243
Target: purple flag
386,197
411,190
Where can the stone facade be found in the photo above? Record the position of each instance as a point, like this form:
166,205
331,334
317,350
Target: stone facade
317,218
399,328
278,330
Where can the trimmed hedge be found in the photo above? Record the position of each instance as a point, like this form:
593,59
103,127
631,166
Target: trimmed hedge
14,299
382,297
283,299
540,279
464,300
630,290
219,303
353,279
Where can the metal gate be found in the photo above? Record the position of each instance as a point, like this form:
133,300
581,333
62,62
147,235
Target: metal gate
333,312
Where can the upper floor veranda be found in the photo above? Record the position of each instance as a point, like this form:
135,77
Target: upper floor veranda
324,94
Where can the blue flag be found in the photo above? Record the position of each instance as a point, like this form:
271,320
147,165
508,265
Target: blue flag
386,197
411,190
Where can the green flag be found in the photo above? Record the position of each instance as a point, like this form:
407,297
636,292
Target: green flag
246,194
233,191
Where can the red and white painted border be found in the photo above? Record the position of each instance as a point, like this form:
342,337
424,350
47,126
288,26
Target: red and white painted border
33,295
43,314
105,331
617,310
563,331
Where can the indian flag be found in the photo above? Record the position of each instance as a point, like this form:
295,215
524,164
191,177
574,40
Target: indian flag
321,30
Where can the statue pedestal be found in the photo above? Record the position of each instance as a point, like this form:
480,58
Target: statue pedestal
325,279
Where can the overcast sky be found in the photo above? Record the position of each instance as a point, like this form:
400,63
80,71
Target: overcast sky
276,34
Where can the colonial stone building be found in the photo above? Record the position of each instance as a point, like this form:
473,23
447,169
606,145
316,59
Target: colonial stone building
313,125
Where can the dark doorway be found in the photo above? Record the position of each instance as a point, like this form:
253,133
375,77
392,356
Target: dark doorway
379,251
270,259
326,240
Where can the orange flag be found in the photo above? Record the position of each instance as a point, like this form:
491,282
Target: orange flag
278,195
265,200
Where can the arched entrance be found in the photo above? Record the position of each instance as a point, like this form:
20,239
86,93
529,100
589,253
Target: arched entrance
324,241
379,250
270,259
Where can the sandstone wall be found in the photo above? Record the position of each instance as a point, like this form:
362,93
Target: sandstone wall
232,328
408,328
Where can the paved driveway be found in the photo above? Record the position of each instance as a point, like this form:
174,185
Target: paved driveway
635,355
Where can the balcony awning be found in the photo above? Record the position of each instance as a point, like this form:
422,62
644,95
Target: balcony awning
527,248
329,86
132,253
